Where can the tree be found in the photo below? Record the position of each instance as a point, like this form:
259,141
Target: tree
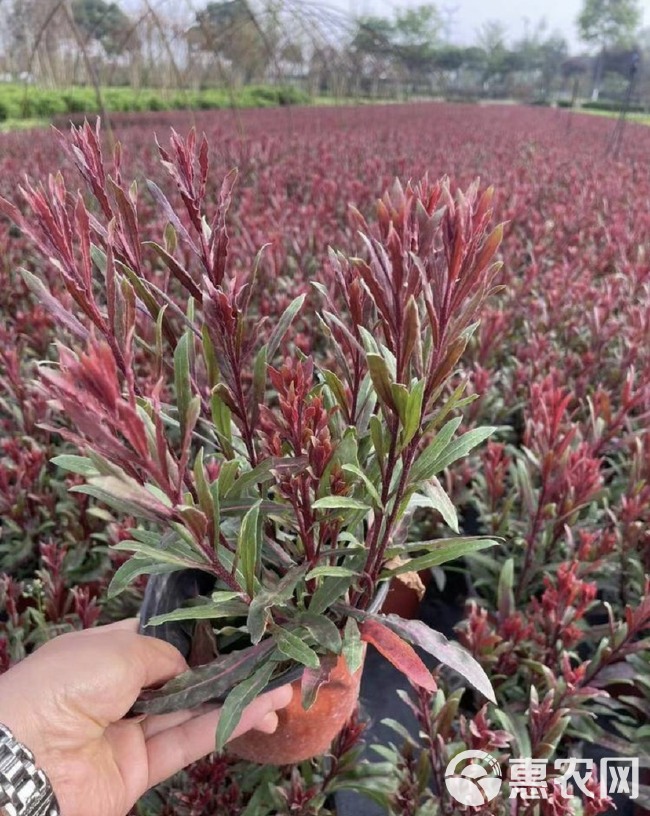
233,31
417,35
492,39
103,22
410,40
541,56
607,24
419,26
374,36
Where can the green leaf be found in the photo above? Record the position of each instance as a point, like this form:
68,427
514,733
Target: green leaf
210,358
369,342
134,568
293,647
209,611
235,703
461,447
259,378
400,399
126,496
261,474
336,387
372,490
352,645
182,381
377,434
425,464
227,476
446,549
210,682
283,325
174,554
505,594
222,421
330,572
323,630
75,464
455,401
381,379
257,619
249,547
339,503
313,679
203,489
413,413
515,724
436,498
278,595
330,591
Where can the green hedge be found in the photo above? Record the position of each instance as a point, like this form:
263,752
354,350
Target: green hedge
28,102
608,105
603,105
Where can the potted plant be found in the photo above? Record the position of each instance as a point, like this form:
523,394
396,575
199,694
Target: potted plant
280,483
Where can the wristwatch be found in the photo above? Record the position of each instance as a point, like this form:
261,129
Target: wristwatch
25,790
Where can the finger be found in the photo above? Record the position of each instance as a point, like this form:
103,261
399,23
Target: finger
128,625
174,749
157,723
154,661
269,724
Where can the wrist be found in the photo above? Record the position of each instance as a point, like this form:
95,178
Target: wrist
16,712
25,789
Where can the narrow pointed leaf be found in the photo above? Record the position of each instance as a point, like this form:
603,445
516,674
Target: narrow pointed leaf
249,547
381,380
372,490
313,679
425,464
447,652
352,646
323,631
447,550
329,572
293,647
461,447
210,682
182,380
226,609
75,464
339,503
235,703
397,652
134,568
331,590
283,325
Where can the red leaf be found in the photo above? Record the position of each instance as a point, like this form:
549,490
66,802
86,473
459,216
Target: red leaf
397,652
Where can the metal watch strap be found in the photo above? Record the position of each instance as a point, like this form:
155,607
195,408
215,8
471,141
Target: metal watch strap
24,789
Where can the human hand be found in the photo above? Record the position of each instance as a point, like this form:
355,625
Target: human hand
67,702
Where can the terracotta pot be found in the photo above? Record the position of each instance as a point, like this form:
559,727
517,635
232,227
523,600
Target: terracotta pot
304,734
404,600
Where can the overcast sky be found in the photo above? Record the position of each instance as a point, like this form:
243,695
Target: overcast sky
468,15
465,16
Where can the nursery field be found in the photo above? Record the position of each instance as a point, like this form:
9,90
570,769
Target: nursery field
553,505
